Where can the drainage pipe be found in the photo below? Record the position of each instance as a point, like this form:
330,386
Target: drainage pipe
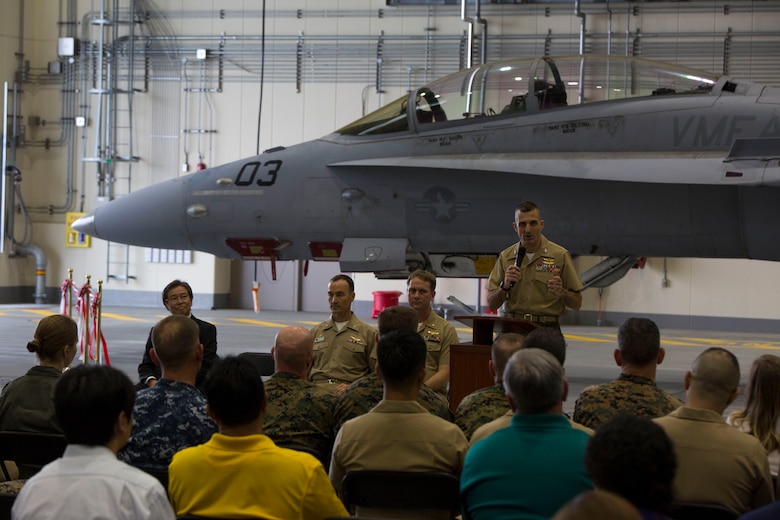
40,270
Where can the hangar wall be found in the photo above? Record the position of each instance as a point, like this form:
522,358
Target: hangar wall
333,87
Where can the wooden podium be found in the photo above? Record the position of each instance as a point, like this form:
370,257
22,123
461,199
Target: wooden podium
469,361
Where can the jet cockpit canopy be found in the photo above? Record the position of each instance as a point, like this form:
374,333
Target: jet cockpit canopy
530,85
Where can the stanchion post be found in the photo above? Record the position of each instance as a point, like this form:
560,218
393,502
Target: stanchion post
69,296
86,319
99,310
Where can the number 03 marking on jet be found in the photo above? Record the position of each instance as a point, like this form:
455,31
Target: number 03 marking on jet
267,173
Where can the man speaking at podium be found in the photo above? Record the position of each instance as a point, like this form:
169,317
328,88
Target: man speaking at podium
535,278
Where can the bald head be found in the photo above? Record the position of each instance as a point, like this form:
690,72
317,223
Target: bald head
713,379
503,347
175,340
293,350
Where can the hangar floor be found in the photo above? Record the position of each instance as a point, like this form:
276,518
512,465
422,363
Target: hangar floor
589,355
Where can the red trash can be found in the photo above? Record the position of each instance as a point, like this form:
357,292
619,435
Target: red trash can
383,300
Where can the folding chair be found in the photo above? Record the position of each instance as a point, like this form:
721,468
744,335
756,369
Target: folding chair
402,490
30,451
324,458
160,474
262,361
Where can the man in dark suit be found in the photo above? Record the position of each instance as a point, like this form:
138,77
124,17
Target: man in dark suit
177,298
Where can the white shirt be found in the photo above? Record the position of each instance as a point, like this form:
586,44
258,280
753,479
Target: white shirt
89,483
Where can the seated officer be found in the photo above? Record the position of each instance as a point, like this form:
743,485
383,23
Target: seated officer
344,346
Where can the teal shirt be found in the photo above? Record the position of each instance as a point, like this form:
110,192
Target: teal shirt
527,471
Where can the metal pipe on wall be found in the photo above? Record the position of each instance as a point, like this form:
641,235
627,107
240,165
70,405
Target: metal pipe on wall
470,32
3,174
40,270
581,80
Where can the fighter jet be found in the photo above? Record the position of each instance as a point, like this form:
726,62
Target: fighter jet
625,157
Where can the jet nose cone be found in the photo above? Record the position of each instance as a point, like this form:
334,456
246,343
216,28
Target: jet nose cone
151,217
85,225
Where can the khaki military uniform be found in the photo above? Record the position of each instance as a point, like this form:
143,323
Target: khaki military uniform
438,334
397,436
716,463
299,413
343,356
529,299
365,393
481,407
628,394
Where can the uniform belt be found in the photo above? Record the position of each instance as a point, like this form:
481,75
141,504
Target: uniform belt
536,318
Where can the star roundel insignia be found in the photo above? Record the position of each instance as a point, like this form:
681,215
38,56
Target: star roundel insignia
441,204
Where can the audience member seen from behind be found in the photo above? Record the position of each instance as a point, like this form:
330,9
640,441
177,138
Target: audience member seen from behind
487,404
598,504
533,467
716,464
761,416
550,340
240,472
26,403
94,405
177,298
634,392
171,415
299,413
365,393
398,434
633,457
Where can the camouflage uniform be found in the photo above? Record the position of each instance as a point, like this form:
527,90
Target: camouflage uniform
299,413
481,407
11,487
365,393
628,394
169,417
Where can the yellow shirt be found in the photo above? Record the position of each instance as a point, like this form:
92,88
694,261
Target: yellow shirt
249,476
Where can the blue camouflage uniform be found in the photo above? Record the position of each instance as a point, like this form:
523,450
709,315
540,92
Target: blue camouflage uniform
168,417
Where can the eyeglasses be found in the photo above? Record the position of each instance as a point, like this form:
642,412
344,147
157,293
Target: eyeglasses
178,298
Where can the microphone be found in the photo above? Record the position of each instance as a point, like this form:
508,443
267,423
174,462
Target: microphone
518,260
